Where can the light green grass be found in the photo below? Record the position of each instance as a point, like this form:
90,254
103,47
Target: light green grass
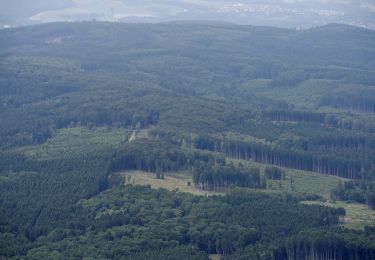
170,182
215,257
298,181
357,215
295,181
76,142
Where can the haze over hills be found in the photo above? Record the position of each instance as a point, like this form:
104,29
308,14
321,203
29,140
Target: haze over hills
286,13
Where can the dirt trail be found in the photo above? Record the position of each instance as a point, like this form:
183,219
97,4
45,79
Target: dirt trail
132,137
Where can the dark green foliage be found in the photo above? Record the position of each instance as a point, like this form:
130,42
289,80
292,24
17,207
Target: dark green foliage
290,115
285,158
274,173
179,252
215,177
33,203
312,244
123,221
357,191
158,156
336,244
352,101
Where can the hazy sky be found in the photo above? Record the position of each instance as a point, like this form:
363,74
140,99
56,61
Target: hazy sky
287,13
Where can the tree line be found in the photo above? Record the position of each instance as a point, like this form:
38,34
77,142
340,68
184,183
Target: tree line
214,177
356,191
282,157
362,102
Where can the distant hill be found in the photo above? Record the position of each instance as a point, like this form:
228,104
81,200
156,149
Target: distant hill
286,14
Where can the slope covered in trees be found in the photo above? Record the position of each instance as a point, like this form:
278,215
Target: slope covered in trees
71,94
127,220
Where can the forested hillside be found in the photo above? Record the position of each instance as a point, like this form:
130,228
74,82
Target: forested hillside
239,110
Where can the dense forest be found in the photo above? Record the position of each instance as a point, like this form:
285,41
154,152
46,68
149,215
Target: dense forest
240,112
216,177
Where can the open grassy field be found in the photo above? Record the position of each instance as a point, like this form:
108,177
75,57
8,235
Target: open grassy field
215,257
76,141
298,181
357,215
170,182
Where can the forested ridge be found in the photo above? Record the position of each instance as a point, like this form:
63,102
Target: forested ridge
233,109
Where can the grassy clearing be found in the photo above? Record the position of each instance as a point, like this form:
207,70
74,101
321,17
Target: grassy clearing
215,257
357,215
295,181
170,182
75,142
298,181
